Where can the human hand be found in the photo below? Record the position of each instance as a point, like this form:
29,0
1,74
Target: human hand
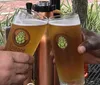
90,47
14,67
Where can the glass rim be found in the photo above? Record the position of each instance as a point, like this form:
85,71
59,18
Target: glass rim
21,20
44,17
65,20
64,16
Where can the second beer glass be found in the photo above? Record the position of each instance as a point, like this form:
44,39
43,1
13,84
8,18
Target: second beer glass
65,36
26,32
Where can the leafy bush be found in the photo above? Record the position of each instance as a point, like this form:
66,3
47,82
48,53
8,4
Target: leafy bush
5,23
93,14
93,17
66,7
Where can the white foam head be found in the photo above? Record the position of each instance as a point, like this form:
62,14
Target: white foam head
66,21
25,19
30,22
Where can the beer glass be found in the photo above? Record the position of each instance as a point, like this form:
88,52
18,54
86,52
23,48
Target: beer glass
26,31
65,36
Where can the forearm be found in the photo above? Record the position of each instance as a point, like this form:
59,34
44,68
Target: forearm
92,58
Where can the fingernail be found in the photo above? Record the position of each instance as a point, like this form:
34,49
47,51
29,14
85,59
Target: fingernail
81,49
30,84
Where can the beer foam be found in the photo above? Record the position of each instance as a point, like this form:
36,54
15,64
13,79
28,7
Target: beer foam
66,21
30,22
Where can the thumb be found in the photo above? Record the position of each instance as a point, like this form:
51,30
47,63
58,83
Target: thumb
85,46
91,42
81,48
89,45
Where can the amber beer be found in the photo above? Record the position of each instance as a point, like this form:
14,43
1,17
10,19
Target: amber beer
65,36
26,37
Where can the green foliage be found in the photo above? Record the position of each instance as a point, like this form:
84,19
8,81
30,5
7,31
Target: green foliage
1,39
93,14
7,20
4,23
93,18
66,7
